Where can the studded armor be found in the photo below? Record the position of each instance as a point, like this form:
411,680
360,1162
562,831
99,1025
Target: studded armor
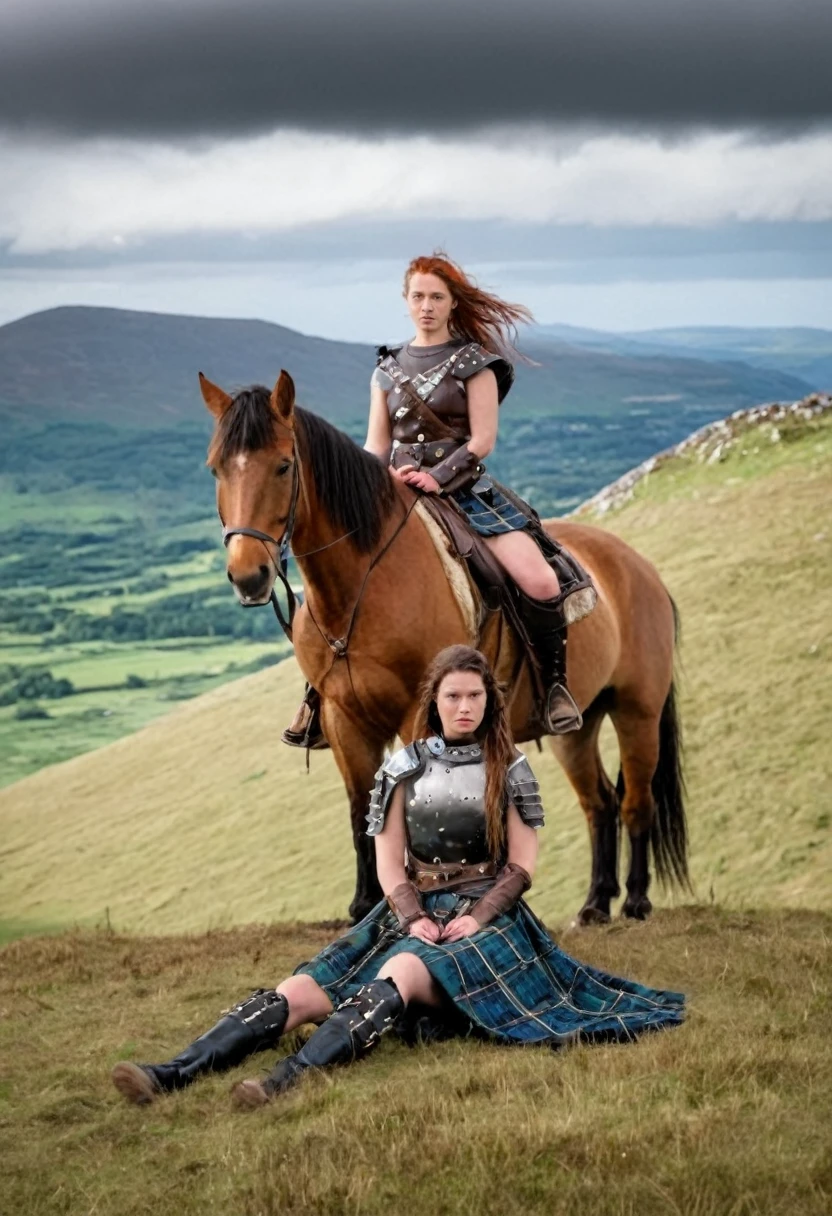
444,789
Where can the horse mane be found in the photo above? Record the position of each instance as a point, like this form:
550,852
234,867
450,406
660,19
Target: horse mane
353,487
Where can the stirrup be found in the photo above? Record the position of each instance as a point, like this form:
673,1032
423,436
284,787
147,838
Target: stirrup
305,728
561,714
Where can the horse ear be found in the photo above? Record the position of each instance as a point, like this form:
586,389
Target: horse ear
283,397
214,397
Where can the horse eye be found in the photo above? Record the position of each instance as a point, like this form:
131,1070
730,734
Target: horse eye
214,472
284,468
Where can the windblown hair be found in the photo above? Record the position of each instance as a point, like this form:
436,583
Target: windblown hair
494,733
478,316
352,486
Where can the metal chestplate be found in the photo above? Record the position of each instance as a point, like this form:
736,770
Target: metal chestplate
445,808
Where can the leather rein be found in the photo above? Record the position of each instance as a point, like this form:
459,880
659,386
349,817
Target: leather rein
338,646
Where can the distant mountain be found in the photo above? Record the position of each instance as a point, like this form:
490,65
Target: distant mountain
802,352
139,369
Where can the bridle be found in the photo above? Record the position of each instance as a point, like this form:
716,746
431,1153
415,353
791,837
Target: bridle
281,559
338,646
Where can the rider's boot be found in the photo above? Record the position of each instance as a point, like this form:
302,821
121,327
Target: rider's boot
350,1032
305,728
545,622
254,1025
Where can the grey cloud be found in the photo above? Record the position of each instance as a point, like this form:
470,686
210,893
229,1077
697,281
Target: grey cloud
532,253
391,66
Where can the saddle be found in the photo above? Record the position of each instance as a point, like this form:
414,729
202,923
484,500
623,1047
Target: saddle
500,593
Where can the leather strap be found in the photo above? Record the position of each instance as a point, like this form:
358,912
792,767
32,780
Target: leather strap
405,903
512,882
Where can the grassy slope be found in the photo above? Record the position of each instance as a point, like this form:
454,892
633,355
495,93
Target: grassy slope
724,1116
205,819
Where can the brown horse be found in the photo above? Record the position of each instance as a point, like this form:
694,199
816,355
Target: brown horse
378,606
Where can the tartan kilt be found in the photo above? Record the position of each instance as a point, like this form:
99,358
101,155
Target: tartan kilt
488,511
510,981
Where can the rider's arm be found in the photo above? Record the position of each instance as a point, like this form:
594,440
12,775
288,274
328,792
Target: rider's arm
483,409
379,438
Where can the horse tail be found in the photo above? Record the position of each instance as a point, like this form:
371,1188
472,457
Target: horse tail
669,833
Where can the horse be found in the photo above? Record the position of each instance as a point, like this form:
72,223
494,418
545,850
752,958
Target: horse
377,607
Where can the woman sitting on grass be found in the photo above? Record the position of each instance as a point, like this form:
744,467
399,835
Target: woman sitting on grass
455,817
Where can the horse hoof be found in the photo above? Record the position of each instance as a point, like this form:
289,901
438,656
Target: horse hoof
589,915
248,1095
637,909
134,1083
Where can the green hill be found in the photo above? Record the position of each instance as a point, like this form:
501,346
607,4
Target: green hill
139,369
204,819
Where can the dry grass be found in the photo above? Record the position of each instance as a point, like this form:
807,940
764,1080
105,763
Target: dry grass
729,1114
204,819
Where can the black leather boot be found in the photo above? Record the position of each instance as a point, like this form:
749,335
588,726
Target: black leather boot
350,1032
305,728
545,622
254,1025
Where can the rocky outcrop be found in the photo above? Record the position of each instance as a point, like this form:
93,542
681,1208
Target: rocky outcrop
711,443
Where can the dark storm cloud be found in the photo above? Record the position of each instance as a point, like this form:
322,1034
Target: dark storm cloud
376,66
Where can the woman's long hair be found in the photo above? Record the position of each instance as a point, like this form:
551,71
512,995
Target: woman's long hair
494,733
478,316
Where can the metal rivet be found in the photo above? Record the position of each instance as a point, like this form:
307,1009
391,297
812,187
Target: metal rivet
412,801
420,438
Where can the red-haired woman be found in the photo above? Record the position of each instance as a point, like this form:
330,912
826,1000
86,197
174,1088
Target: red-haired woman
454,816
434,404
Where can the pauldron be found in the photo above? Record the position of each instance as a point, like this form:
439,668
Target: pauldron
403,763
523,790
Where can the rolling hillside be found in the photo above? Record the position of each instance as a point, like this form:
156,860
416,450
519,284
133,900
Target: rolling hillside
139,369
204,819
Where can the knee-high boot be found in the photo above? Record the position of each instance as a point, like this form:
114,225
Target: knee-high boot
547,629
350,1032
254,1025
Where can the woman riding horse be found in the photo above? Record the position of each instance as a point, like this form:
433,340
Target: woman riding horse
434,405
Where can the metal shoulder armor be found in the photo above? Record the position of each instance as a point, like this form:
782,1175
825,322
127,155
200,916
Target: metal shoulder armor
524,791
473,358
403,763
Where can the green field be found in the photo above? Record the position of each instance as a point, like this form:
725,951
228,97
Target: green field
728,1114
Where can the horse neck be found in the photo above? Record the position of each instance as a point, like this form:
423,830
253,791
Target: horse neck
333,570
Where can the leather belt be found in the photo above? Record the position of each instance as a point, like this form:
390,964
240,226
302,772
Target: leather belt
433,876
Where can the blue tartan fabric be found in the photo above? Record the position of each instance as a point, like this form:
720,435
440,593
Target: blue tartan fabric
510,980
488,510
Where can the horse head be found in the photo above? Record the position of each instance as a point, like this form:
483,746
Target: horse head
252,456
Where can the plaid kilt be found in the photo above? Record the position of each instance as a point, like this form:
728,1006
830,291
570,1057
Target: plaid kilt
510,980
488,510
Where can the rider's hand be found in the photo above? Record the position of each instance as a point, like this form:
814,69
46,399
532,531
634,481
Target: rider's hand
418,479
401,474
425,929
459,927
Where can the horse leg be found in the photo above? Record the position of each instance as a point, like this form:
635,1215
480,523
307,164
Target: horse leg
358,758
638,739
580,759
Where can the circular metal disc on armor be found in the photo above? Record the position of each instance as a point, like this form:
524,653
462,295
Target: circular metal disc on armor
435,745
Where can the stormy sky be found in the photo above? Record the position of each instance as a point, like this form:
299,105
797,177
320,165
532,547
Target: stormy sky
618,164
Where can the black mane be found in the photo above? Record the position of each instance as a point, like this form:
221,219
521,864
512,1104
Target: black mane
353,486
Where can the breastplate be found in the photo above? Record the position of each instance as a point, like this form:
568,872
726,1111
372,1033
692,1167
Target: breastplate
445,807
448,401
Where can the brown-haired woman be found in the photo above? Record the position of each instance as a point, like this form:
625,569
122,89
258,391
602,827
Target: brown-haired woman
434,404
455,817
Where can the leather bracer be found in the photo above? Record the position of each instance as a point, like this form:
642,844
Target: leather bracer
405,903
457,471
512,882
